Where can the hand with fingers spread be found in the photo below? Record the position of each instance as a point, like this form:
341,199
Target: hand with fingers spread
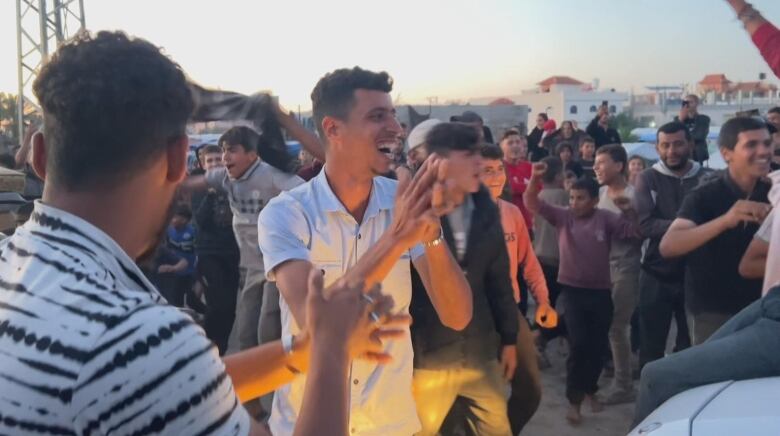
746,211
346,319
415,219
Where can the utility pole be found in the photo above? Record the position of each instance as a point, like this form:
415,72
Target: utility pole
41,26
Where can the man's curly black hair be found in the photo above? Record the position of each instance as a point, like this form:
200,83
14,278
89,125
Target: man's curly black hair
334,94
111,105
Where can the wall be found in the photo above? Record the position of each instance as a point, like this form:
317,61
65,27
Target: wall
498,118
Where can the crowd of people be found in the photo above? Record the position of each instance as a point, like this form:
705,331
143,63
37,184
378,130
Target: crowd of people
119,295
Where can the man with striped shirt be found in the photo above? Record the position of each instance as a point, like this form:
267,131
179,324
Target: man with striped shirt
87,345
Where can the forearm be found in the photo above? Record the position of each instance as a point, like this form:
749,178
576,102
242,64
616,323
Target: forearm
21,155
751,24
376,263
653,227
534,276
448,289
263,369
325,401
753,263
531,195
309,141
679,242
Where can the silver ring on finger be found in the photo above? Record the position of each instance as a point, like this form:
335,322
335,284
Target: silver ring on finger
374,317
368,298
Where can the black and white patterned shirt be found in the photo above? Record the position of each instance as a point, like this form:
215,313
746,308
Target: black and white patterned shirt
89,347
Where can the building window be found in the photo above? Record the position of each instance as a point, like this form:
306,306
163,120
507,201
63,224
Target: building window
593,109
573,109
613,109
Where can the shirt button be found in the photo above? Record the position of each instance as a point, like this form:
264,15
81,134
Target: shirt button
352,430
356,381
359,236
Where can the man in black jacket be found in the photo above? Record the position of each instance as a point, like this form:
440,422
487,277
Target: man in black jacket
659,194
218,255
535,150
697,124
600,130
451,365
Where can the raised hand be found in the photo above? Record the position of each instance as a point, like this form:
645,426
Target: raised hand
539,169
346,319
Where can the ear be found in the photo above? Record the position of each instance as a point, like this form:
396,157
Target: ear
176,154
726,153
332,128
39,155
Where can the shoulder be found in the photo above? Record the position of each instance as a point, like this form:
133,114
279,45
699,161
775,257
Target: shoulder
385,187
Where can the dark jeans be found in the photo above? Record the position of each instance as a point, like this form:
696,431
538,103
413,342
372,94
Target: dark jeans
527,381
746,347
588,315
219,274
551,277
659,301
174,287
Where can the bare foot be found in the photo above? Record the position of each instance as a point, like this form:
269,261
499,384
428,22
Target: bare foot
573,416
595,404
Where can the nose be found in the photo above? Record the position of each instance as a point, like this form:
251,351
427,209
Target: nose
393,125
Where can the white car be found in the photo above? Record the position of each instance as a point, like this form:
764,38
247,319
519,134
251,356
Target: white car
748,407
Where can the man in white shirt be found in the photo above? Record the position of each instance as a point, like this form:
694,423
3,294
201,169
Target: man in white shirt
338,221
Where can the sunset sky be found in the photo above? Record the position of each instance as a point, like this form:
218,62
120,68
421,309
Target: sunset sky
448,49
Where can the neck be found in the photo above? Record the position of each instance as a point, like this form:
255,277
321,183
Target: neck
134,236
352,190
745,182
618,185
684,170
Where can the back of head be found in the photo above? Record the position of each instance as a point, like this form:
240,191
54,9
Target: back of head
588,185
553,171
417,135
616,152
672,128
447,137
774,110
729,132
334,94
111,106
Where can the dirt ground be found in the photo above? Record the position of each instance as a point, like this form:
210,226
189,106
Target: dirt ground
550,419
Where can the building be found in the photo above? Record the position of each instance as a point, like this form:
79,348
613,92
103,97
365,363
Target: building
498,117
715,88
565,98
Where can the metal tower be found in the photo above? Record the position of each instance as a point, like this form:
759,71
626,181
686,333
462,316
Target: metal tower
41,26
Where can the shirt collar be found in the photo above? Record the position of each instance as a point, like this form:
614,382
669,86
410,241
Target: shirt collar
87,238
248,173
381,198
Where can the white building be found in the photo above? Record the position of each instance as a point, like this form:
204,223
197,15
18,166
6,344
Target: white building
564,98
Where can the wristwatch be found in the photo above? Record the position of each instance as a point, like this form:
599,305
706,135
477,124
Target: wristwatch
436,242
288,341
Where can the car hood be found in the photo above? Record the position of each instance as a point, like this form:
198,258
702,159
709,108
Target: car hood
720,409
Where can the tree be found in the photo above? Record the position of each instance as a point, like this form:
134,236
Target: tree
624,124
8,116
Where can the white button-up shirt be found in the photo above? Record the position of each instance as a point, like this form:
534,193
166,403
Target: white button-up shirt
310,223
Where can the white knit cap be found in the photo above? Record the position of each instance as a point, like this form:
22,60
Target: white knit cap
417,135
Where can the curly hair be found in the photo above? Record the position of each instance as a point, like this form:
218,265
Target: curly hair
111,105
334,94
